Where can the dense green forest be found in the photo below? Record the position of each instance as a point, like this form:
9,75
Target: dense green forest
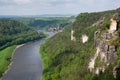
64,59
13,32
45,22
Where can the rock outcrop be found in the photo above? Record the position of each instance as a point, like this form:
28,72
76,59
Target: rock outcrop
104,40
92,61
72,35
84,38
106,50
113,25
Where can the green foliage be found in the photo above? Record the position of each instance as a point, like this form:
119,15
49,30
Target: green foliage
106,25
64,59
12,32
85,20
107,75
5,58
116,42
45,22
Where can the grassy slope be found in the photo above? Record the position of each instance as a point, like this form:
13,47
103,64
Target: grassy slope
5,58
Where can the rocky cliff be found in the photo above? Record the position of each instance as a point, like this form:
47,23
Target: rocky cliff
72,35
106,48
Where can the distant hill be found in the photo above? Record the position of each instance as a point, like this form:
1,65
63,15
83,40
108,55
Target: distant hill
13,32
45,22
36,16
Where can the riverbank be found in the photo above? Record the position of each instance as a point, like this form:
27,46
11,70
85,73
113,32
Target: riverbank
24,56
5,58
44,56
26,63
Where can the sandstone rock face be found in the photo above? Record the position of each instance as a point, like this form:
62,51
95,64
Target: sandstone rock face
106,47
84,38
106,50
103,41
72,35
92,61
113,25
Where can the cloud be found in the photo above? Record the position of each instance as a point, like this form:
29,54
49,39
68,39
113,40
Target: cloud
14,2
31,7
22,1
5,2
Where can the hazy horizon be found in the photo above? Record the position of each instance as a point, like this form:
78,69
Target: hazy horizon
61,7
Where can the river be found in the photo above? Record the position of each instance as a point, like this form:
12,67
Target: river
26,62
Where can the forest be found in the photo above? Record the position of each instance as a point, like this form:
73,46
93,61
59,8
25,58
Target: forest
64,59
13,32
45,22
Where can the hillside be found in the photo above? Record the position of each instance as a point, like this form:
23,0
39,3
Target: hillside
13,32
66,59
45,22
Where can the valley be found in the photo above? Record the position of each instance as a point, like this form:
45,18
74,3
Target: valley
19,44
26,62
82,47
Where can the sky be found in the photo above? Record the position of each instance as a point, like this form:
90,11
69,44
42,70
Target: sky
39,7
